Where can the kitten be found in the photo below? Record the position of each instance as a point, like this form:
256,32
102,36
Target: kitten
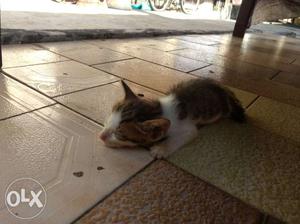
170,122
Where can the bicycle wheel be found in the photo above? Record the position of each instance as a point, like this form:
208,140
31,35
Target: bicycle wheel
189,6
159,5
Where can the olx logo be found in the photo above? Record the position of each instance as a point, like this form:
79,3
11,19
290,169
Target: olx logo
25,198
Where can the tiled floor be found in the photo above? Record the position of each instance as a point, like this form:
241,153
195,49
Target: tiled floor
55,97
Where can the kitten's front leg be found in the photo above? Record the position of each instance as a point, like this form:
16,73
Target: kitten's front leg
173,143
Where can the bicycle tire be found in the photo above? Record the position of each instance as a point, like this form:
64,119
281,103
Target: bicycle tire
193,8
155,7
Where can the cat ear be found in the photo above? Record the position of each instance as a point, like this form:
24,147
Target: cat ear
129,95
156,129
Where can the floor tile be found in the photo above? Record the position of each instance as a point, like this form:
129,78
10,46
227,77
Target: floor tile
51,144
262,58
199,39
263,87
288,78
60,78
165,194
246,98
161,45
94,55
276,117
27,54
247,70
147,74
297,62
223,50
162,58
66,46
96,103
260,168
16,98
138,42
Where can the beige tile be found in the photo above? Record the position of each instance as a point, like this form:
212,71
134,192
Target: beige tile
66,46
249,163
161,45
267,60
51,144
262,58
224,50
16,98
146,74
276,117
263,87
136,42
297,61
246,98
246,70
27,54
94,55
199,39
59,78
162,58
96,103
85,52
288,78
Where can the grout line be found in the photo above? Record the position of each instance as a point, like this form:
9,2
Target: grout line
189,72
29,65
81,90
132,81
79,113
179,49
113,191
107,62
27,112
252,102
273,76
142,59
293,61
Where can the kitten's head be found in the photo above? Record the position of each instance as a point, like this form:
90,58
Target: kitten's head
134,121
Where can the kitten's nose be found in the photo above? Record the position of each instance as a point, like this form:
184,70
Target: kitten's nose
104,136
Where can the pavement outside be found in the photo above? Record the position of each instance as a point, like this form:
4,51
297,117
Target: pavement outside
55,98
34,21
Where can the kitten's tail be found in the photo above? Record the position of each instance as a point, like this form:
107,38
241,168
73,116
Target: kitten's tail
237,111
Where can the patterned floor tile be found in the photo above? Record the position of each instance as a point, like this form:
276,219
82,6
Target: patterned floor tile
145,73
27,54
52,145
260,168
96,103
276,117
16,98
60,78
165,194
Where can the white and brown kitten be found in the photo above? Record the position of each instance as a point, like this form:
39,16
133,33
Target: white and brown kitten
170,122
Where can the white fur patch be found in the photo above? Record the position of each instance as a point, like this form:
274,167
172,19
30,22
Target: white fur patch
113,121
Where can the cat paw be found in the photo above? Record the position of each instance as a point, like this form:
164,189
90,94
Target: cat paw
159,152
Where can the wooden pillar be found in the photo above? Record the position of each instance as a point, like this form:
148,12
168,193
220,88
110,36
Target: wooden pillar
243,19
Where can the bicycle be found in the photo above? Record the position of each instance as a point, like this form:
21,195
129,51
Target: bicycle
187,6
